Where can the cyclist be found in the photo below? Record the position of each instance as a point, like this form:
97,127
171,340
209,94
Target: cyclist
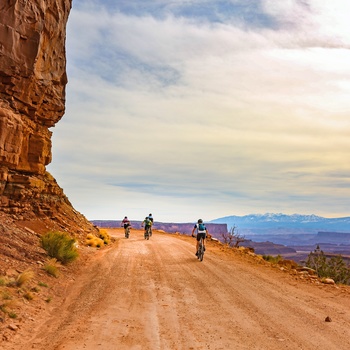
147,223
202,232
151,218
126,223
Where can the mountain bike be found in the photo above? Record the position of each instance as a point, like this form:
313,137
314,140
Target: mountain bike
148,233
200,251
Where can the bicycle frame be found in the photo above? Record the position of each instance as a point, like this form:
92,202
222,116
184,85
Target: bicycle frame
200,252
148,233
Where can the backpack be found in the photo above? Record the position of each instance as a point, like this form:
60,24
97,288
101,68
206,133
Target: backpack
201,227
148,222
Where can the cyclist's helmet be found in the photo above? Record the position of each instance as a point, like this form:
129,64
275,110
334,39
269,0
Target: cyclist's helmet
150,215
200,221
125,217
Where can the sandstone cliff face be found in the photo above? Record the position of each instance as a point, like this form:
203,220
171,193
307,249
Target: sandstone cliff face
32,99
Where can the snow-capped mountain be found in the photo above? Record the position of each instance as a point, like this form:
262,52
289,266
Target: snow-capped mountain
262,222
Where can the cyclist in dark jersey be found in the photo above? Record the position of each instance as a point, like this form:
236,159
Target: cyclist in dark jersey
202,232
151,218
125,223
147,223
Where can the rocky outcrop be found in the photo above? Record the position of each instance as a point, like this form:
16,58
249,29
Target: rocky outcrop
32,100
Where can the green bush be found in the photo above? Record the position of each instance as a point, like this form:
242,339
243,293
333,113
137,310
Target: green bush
59,245
334,267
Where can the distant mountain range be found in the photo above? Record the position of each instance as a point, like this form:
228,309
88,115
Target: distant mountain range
284,224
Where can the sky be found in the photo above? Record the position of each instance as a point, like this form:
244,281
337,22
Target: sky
191,109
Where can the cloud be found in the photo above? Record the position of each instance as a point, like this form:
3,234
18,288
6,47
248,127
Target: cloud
195,113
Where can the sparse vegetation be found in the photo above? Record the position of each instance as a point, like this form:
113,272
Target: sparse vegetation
59,245
24,277
15,289
5,295
51,267
94,241
28,295
333,267
233,238
6,303
272,259
12,314
35,289
104,236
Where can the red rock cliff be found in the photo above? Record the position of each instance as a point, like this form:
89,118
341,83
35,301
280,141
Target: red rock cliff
32,99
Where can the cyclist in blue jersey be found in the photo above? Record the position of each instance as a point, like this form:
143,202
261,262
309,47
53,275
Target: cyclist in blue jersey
202,232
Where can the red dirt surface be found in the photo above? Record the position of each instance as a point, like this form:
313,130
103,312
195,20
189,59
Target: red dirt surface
139,294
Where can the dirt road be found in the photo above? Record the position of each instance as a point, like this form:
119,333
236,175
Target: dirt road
155,294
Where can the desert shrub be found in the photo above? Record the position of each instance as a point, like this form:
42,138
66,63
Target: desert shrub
232,238
318,261
89,242
24,277
338,270
272,259
2,281
104,236
95,242
334,267
59,245
51,267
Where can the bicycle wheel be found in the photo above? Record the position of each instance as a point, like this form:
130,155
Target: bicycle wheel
200,251
201,254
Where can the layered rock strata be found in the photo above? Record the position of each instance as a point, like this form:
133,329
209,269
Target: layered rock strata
32,100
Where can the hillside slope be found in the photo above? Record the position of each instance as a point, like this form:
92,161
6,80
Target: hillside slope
155,294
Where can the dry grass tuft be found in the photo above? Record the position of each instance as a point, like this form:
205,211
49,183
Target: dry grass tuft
28,295
24,277
7,303
52,267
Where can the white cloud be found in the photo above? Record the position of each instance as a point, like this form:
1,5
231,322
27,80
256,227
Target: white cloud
197,116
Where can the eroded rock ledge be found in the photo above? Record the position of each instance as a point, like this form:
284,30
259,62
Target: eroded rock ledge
32,99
